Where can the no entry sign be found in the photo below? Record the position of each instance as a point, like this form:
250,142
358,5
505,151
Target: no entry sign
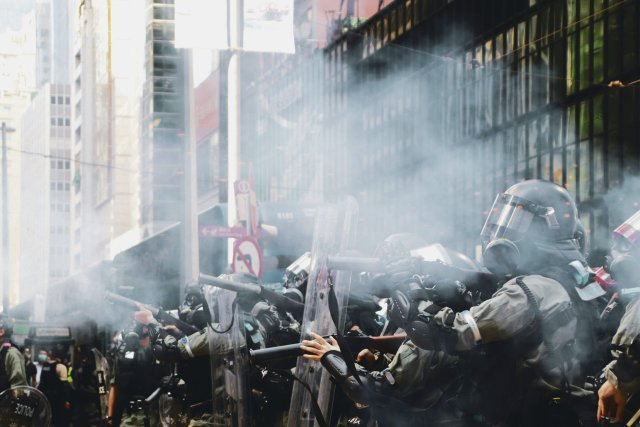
247,256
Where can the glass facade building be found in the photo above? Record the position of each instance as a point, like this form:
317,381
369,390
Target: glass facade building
162,120
431,107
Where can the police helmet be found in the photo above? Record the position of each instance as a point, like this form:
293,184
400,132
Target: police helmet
533,209
533,223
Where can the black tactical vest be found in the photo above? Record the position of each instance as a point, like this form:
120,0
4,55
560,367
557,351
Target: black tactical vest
135,372
50,384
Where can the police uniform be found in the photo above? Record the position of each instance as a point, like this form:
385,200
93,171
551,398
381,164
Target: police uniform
624,371
136,375
514,341
12,368
517,347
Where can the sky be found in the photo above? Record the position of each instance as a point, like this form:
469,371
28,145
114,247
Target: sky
11,12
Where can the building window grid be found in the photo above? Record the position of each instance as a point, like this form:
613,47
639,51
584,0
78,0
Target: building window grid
557,158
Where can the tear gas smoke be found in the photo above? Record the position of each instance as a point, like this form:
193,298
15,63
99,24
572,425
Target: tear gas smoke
424,136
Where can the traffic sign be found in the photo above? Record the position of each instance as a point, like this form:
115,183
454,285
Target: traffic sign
243,186
247,256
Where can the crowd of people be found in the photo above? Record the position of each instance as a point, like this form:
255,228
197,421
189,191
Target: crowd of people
533,336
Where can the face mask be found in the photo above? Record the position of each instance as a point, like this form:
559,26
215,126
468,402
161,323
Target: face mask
42,358
625,271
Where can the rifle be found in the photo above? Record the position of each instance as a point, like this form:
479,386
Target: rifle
478,280
357,343
280,301
158,313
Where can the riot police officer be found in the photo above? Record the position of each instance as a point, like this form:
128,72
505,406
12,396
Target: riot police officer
623,373
12,365
525,332
402,388
136,374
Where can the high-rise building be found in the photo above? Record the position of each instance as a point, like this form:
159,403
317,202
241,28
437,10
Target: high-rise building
45,190
106,91
52,42
61,42
45,179
162,139
17,83
431,107
44,42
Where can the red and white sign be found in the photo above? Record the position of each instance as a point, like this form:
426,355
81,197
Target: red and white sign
247,257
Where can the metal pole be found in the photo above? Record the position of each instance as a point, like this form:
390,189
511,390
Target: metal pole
190,252
233,111
5,222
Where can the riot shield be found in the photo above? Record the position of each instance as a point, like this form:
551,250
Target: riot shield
237,368
334,233
102,379
24,406
225,340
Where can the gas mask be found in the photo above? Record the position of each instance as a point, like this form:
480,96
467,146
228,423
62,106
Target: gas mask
501,257
625,270
131,341
193,310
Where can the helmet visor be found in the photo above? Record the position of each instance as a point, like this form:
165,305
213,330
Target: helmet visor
510,218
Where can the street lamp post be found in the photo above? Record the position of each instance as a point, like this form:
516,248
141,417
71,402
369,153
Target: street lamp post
5,221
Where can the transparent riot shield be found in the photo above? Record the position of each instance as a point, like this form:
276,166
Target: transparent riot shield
102,380
334,233
237,369
225,342
24,406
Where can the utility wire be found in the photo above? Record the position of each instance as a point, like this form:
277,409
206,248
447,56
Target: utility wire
80,162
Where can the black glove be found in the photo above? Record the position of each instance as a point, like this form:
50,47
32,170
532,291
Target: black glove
450,293
426,333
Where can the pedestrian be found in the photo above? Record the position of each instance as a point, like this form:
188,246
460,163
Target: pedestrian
55,386
30,367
